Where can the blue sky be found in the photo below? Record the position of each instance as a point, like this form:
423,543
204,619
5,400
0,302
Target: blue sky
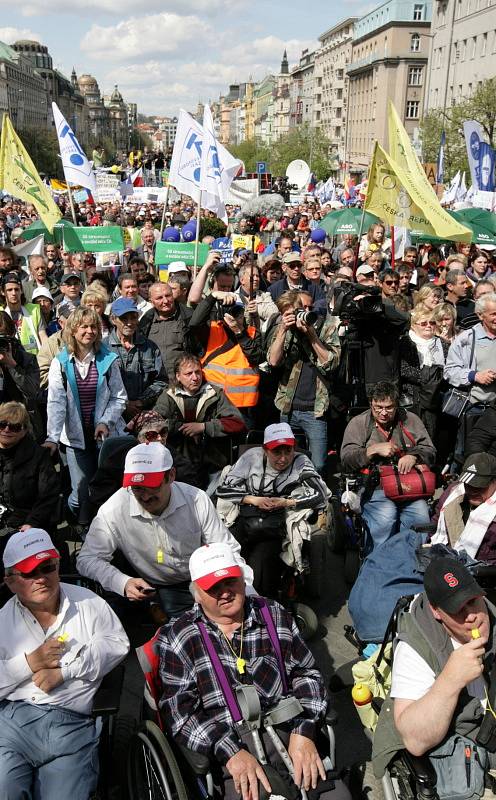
168,54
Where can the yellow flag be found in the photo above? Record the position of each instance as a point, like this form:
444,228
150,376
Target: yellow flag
401,149
19,176
397,196
58,186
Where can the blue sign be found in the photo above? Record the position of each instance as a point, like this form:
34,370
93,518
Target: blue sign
261,167
225,248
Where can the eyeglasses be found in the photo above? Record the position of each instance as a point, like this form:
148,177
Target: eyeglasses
43,569
426,323
391,283
383,409
15,427
152,436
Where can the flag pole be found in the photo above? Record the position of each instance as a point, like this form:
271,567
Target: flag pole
71,201
197,240
166,203
392,246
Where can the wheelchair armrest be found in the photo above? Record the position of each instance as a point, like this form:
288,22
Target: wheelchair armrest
108,695
427,527
331,717
199,763
423,773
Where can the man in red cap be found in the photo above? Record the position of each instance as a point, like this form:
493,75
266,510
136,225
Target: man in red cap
58,641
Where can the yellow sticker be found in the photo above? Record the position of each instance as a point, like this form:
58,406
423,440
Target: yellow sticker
63,637
160,556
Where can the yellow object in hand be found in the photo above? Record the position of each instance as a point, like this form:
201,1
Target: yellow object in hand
63,637
475,633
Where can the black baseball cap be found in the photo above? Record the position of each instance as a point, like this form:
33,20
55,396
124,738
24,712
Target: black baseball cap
70,276
12,277
449,585
478,470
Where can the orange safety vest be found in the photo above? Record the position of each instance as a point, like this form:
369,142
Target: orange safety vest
230,370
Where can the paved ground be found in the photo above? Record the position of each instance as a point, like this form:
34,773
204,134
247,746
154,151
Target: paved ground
334,656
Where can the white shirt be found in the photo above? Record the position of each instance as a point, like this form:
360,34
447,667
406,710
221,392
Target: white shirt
83,366
96,642
159,548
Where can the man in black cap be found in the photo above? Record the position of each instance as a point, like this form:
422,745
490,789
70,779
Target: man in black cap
443,675
70,286
466,512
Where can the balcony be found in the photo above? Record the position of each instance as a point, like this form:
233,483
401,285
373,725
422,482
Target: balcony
389,59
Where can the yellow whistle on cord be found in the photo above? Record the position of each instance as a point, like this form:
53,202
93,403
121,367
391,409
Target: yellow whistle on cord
475,633
64,637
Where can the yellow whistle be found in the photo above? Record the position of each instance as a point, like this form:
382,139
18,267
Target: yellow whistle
160,557
475,633
63,637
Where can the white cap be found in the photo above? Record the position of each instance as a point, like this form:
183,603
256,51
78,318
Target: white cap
365,269
28,549
212,563
177,266
277,434
40,291
146,464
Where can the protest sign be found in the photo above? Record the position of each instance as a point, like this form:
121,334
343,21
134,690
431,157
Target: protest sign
225,247
149,194
100,239
107,187
245,242
484,200
166,252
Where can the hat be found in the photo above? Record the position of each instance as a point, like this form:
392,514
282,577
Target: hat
26,550
277,434
63,310
365,269
70,276
40,291
478,470
123,305
177,266
12,277
449,585
212,563
290,258
146,464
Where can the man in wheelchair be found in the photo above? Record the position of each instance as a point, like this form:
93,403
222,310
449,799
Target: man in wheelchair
271,499
444,683
224,666
58,642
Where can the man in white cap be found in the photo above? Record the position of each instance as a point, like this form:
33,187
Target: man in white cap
58,642
195,708
156,523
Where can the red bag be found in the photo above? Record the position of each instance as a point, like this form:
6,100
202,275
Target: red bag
418,484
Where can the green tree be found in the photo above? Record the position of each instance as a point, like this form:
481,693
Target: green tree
309,144
43,147
479,107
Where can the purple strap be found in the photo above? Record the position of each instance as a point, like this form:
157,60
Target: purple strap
274,638
220,672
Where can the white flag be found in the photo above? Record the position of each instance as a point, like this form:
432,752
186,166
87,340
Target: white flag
186,165
461,192
34,247
77,168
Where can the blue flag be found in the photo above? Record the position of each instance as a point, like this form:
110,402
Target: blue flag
486,167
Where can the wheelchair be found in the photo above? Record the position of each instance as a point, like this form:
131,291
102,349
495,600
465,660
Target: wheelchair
158,768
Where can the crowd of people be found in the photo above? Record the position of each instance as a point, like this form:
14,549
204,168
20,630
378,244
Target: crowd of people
126,398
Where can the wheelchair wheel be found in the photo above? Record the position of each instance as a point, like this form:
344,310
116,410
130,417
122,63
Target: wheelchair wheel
306,620
152,769
351,565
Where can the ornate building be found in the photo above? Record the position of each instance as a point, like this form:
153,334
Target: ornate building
23,93
119,127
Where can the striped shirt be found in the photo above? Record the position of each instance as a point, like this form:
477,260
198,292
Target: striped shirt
193,706
87,392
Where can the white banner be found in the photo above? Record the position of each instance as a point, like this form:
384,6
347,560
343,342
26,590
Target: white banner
107,187
242,190
77,168
484,200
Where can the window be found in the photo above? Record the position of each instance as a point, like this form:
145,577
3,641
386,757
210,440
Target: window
418,12
415,43
473,47
412,109
484,44
415,76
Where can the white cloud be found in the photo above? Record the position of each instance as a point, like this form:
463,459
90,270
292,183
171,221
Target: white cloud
144,37
121,7
11,35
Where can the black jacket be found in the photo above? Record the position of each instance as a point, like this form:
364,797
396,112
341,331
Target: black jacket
482,437
29,486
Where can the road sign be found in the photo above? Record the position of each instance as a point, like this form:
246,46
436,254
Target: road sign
261,167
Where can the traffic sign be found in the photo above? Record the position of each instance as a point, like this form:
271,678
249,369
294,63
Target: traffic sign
261,167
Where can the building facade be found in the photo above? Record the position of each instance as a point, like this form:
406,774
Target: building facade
264,109
463,50
301,91
23,92
118,120
389,61
281,100
98,115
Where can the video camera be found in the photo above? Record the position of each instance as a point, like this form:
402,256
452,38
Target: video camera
6,343
352,301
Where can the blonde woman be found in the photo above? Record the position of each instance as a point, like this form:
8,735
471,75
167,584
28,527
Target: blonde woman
422,358
429,296
444,316
374,239
97,298
86,399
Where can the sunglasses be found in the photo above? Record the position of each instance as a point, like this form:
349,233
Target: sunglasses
391,283
15,427
43,569
426,323
152,436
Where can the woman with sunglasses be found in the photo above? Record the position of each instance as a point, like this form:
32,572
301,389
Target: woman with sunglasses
201,419
422,358
29,484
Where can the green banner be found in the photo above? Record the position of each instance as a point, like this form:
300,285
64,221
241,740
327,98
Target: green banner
166,252
100,239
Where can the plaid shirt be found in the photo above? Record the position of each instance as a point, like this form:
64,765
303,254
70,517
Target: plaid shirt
193,706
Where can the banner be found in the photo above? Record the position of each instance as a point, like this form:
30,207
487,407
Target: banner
484,200
440,159
242,190
166,252
245,242
77,168
402,152
474,135
107,187
185,167
225,247
34,247
486,167
19,176
99,239
397,196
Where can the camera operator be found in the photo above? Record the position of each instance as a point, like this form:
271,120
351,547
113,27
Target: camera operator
306,347
232,350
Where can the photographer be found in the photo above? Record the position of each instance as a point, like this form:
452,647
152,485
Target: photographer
213,276
307,349
19,373
232,350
